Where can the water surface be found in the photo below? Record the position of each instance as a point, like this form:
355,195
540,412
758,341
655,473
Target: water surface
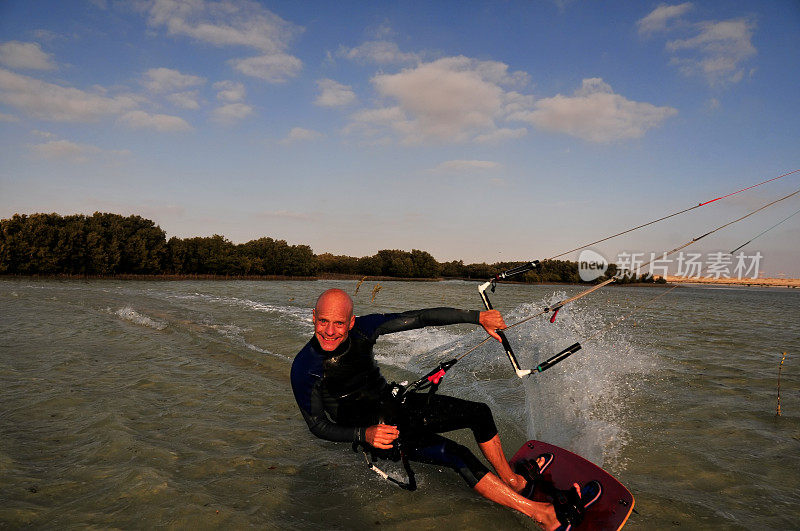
141,404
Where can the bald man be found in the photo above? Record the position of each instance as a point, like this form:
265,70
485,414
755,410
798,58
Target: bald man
342,396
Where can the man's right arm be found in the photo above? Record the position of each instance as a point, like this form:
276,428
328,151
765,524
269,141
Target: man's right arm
306,376
324,428
379,435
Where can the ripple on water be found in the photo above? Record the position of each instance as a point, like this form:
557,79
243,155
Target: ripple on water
129,314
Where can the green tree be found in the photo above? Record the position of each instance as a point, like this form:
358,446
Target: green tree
396,263
370,265
453,269
424,265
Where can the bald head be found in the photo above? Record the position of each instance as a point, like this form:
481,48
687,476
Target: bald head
333,318
335,297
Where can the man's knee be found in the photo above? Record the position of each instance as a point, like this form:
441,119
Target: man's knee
484,428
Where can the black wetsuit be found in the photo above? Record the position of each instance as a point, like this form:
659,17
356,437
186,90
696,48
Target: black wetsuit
342,393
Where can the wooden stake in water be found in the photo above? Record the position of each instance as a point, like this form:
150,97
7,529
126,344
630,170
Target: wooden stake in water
780,367
375,291
358,286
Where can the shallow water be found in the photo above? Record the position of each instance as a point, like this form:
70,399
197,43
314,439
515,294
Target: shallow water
137,404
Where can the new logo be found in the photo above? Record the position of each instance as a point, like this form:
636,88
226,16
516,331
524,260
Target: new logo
591,265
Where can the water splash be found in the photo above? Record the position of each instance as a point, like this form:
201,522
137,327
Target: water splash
578,404
129,314
420,349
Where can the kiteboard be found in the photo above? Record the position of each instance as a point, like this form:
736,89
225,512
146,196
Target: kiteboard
609,512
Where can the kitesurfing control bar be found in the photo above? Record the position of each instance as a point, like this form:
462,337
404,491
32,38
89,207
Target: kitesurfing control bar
561,356
517,270
503,339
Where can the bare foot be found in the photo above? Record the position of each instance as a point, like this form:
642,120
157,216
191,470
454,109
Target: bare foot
549,520
556,523
517,483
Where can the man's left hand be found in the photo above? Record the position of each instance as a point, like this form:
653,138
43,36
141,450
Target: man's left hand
491,321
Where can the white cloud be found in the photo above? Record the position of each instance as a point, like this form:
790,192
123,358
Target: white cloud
467,165
385,116
274,68
596,114
717,51
333,94
64,149
71,151
454,99
377,124
231,113
159,122
298,134
187,100
228,23
224,23
26,56
658,19
54,102
380,52
497,72
230,91
167,80
500,135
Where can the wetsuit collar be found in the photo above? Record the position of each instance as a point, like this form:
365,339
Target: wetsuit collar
341,349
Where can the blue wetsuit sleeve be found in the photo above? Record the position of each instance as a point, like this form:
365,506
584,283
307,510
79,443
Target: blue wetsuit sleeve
429,317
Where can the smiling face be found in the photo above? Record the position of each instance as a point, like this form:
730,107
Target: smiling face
333,319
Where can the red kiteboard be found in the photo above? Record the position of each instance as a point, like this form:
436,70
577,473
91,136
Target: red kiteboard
610,512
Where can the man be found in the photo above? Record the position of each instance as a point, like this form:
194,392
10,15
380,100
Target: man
341,394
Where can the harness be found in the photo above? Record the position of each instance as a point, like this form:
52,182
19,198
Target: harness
393,406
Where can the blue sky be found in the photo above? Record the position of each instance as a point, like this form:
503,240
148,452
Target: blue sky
481,131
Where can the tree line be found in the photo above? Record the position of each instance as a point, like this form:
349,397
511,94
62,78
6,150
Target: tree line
105,244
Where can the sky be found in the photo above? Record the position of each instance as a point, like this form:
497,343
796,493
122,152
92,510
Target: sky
476,131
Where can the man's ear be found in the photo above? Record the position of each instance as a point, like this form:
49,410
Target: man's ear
352,322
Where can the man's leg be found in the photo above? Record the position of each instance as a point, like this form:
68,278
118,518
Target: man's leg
490,487
437,450
493,452
442,413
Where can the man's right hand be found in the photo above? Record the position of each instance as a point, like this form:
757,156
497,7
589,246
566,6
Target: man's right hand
382,435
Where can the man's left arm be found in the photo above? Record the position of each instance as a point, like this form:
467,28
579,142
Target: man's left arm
490,320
